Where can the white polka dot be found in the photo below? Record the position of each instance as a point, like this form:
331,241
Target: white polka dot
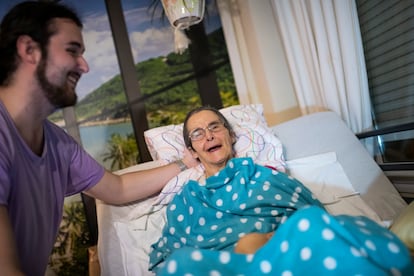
229,230
200,238
253,182
326,218
298,189
393,247
214,227
219,202
183,240
224,257
365,231
266,186
229,188
173,207
260,197
257,175
370,245
188,230
360,222
303,225
245,163
395,272
231,164
242,181
249,258
242,206
249,194
202,221
328,235
305,253
355,252
180,218
265,266
235,196
389,235
226,180
363,252
219,215
287,273
196,255
243,220
172,267
284,246
274,212
258,225
278,197
177,245
257,210
329,263
191,210
172,230
215,273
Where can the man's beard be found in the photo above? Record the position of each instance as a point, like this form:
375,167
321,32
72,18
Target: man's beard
59,96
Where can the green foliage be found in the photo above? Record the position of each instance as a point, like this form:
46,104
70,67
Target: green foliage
122,151
109,100
70,254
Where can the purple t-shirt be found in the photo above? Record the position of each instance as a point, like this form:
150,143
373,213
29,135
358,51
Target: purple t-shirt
33,187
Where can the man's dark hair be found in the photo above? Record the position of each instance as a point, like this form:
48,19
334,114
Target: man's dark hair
32,18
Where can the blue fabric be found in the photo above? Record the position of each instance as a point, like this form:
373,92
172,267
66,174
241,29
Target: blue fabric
310,242
242,198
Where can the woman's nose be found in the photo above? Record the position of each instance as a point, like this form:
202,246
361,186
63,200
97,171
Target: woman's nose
209,135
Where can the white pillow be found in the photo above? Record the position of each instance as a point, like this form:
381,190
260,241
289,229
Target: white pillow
324,176
254,138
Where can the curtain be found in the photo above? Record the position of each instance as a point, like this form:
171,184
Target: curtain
325,57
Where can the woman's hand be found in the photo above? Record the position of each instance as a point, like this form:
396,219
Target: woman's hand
189,160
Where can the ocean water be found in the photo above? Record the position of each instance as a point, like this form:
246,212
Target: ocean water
95,138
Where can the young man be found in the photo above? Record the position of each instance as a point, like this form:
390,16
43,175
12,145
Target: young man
41,61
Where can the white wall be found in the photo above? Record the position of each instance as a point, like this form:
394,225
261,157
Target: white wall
257,57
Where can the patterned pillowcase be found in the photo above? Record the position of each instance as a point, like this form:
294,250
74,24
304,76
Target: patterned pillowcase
254,138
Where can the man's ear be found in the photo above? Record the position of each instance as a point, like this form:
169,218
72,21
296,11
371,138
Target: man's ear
28,49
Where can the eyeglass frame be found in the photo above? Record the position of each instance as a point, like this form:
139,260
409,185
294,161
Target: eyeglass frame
204,130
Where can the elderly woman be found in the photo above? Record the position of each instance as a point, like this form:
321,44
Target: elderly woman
242,203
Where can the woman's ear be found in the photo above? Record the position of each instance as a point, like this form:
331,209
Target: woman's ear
233,138
28,49
193,152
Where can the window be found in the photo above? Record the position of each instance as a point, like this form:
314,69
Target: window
387,29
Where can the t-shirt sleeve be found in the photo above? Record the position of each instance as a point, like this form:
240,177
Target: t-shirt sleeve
85,172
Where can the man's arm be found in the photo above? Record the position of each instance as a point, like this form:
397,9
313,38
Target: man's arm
115,189
9,262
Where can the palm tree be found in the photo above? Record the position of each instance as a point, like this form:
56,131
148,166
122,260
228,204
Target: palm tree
122,151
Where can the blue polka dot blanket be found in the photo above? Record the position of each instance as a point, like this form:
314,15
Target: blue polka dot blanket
205,221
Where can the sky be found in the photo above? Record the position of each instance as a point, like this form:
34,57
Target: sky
149,37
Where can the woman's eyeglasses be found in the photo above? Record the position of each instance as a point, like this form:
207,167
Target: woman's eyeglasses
200,133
